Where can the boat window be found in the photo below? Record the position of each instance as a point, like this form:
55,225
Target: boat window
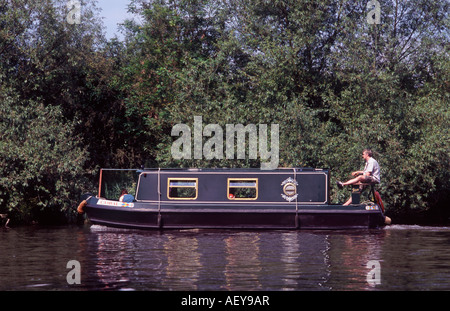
182,188
242,188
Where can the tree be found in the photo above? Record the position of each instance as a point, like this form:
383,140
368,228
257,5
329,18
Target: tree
334,83
52,86
41,163
383,72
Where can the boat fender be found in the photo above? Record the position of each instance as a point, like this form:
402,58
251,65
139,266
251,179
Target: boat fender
160,224
379,201
80,208
387,220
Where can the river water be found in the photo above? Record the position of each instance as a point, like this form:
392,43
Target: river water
394,258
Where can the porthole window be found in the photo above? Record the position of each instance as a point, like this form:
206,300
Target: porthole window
182,188
242,188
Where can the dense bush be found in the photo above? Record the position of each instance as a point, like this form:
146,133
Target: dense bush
72,102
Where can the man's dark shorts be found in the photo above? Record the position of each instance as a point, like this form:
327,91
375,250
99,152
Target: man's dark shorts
370,180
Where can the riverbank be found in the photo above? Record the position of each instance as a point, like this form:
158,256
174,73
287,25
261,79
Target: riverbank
418,218
425,218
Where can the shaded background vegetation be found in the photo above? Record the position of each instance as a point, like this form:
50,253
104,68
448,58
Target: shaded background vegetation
72,101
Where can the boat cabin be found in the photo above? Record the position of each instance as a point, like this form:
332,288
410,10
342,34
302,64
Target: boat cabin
300,185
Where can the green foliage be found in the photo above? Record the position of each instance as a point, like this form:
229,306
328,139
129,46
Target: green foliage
41,163
334,83
48,81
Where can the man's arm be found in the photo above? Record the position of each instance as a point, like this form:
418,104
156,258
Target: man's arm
357,173
369,168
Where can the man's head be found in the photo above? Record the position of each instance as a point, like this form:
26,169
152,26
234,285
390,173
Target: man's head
367,153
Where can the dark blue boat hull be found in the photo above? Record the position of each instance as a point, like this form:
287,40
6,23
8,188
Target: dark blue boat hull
190,216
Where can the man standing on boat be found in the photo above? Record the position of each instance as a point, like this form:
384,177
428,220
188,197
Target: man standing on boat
370,174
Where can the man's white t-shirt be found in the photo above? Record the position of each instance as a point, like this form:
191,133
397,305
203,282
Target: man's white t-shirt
373,168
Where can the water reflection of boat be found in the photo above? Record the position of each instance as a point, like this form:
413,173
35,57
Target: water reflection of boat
243,267
183,262
296,198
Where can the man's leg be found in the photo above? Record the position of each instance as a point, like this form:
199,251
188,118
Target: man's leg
354,180
349,201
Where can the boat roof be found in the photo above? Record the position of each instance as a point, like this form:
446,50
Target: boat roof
297,169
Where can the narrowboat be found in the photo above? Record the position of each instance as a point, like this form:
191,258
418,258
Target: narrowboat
294,198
